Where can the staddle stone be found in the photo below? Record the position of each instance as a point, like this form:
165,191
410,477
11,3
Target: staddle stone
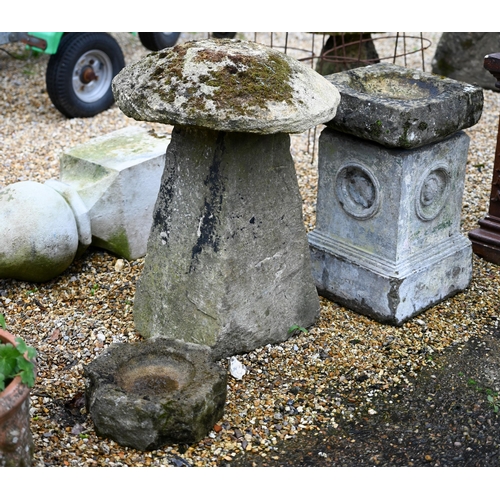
227,262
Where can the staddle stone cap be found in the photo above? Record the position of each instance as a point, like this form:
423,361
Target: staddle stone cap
228,85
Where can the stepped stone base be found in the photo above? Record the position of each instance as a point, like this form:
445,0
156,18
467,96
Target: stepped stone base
390,294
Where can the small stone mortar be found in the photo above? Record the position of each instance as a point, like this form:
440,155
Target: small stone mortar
156,392
405,108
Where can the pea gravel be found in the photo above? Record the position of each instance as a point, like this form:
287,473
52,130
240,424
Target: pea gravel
321,384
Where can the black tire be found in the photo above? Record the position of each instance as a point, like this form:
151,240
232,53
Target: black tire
158,41
79,75
223,35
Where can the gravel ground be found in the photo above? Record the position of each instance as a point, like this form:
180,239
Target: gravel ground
349,391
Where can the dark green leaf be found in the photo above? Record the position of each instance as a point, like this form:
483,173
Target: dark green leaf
13,363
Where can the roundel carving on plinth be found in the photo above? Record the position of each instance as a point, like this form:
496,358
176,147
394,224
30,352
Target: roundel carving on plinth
432,193
358,191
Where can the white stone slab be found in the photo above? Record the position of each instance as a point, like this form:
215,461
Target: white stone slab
118,176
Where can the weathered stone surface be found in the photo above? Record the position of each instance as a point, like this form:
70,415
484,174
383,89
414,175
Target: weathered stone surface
117,176
387,241
160,391
228,261
230,85
402,107
460,56
106,196
39,232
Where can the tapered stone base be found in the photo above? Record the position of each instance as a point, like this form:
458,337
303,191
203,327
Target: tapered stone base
385,292
228,261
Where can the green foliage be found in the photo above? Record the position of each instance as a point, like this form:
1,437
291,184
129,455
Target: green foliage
13,362
2,322
491,395
494,401
296,329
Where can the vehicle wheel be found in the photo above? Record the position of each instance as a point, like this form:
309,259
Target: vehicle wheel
223,35
158,41
80,73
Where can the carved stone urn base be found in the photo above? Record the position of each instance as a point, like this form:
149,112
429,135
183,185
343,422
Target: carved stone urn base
387,242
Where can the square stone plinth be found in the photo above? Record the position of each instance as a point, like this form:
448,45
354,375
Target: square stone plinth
118,176
387,241
402,107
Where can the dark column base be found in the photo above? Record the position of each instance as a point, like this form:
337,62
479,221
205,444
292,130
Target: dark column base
486,239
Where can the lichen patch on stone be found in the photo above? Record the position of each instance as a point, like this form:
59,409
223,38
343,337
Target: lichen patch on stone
225,85
214,78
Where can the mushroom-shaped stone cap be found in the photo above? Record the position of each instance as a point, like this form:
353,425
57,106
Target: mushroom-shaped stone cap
228,85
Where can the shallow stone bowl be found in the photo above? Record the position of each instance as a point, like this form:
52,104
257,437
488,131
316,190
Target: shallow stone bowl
400,107
160,391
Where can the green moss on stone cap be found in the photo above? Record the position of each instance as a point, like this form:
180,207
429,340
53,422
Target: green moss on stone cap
230,85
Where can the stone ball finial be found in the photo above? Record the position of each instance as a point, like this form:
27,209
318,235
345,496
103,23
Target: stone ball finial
39,232
226,85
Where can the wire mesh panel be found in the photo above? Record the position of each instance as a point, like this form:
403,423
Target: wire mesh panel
338,51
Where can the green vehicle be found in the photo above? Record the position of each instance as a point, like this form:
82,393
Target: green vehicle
82,66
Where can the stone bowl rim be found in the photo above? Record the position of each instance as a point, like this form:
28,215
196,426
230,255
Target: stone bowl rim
106,383
342,82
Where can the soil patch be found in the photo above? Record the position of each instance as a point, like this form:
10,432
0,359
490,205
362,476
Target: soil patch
448,417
